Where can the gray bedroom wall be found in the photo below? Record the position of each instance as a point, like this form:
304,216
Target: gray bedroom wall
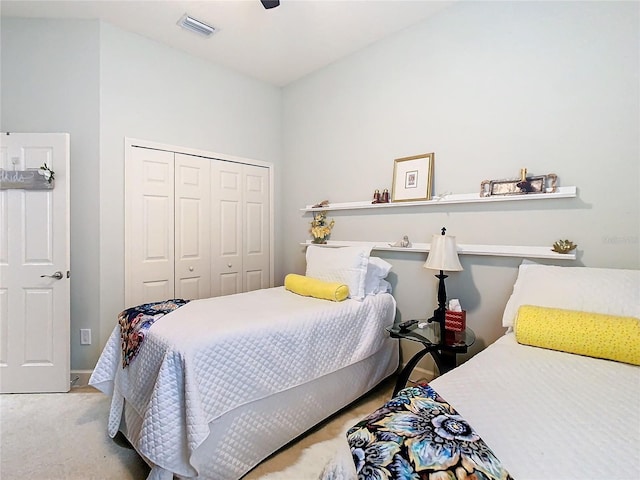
50,83
100,84
490,88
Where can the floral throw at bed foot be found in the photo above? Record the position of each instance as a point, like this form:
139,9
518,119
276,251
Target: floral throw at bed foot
135,321
417,435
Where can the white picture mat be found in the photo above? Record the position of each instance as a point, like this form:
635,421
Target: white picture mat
412,178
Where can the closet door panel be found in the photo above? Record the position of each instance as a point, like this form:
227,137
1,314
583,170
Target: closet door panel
226,231
149,219
229,283
256,255
192,227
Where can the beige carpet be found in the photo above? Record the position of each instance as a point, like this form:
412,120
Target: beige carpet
64,437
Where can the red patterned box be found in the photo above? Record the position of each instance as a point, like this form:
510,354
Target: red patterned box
455,321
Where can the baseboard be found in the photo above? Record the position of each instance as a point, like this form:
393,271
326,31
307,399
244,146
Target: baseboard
420,375
80,378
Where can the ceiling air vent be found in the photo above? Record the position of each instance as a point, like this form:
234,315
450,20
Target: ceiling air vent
197,26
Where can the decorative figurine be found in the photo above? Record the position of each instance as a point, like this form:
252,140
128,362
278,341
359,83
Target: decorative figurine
385,196
404,243
323,203
376,196
563,246
524,185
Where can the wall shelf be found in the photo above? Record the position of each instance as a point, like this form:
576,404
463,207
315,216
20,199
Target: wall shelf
561,192
487,250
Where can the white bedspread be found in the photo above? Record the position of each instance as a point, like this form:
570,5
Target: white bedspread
213,355
546,415
550,415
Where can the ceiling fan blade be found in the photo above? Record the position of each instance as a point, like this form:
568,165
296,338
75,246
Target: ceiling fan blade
270,3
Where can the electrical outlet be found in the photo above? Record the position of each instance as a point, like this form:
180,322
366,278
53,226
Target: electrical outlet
85,336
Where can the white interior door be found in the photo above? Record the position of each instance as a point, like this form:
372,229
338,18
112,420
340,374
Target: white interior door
149,219
192,220
34,265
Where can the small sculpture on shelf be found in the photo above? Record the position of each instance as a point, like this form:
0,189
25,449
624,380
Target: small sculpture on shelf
563,246
380,197
524,185
404,243
323,203
321,228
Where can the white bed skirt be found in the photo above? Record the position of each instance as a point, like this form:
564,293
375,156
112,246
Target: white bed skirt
248,434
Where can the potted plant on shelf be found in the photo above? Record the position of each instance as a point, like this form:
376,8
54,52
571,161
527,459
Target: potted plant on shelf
321,228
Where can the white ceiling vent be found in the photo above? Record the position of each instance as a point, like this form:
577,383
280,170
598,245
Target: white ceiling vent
196,26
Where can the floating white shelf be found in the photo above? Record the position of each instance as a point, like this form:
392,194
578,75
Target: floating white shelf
561,192
490,250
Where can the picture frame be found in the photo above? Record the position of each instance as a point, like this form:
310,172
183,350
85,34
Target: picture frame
412,178
537,184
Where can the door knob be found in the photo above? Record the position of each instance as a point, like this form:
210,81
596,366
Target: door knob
57,276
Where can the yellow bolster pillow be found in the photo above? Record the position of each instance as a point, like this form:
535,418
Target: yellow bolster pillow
591,334
312,287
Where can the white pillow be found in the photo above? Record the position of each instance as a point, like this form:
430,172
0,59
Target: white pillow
344,265
377,270
595,290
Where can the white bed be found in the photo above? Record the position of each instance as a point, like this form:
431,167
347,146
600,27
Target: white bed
221,383
548,414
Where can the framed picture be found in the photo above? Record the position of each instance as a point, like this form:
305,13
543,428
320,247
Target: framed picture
537,184
412,178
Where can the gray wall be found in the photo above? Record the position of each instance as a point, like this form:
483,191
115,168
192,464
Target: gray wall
490,88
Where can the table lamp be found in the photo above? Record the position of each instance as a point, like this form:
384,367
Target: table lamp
443,256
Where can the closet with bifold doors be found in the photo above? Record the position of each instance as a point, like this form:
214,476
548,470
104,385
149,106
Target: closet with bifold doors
196,226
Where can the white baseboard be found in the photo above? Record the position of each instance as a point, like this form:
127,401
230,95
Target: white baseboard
80,378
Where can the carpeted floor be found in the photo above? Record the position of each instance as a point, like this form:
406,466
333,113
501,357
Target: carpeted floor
64,437
60,436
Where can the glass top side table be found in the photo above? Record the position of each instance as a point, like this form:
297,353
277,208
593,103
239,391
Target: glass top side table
442,350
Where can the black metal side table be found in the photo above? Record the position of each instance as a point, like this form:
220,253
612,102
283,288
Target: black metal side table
443,351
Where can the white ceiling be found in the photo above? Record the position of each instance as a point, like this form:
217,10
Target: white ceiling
277,46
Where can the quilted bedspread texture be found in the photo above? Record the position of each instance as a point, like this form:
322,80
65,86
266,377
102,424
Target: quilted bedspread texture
212,355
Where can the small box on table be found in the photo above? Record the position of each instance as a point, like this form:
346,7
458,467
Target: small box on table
455,321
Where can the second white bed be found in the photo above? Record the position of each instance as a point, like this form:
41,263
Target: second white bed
549,414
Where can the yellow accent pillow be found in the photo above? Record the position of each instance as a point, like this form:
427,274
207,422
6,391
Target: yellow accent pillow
312,287
591,334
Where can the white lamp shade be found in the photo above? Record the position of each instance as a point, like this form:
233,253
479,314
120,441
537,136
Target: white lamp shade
443,254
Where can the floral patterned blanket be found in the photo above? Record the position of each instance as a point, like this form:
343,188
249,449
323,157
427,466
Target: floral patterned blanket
135,321
417,435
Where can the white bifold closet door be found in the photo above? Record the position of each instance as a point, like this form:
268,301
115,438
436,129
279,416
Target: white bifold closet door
167,227
240,250
196,227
